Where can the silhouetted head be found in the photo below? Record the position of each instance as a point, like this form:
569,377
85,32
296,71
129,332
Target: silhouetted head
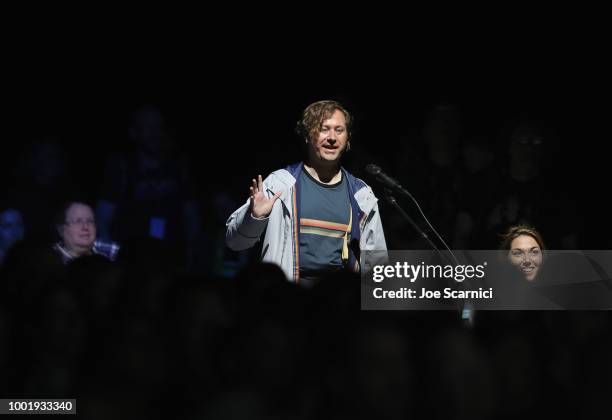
148,129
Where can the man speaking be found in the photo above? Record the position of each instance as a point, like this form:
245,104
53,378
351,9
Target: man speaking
318,216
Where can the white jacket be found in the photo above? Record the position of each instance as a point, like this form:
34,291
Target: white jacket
281,241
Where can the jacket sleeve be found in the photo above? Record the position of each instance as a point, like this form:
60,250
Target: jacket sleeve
244,230
373,240
373,231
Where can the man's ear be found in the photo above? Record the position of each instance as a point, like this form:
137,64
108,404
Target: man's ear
348,146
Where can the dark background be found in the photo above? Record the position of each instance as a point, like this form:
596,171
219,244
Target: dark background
236,119
137,338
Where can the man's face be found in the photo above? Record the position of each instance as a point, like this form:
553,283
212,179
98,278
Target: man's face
525,254
79,231
331,142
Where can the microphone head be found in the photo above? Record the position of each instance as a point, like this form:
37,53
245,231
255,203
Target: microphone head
372,169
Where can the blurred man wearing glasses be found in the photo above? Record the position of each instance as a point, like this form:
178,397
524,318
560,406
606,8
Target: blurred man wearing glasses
76,226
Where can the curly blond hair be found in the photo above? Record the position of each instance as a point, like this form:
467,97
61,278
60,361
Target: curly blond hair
309,126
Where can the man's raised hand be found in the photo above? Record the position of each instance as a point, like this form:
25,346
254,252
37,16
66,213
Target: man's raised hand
261,205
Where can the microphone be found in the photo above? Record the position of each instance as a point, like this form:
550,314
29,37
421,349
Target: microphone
393,185
386,180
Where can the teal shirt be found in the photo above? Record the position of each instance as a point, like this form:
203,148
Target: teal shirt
324,221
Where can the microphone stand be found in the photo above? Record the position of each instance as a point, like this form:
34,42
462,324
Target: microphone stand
393,201
468,316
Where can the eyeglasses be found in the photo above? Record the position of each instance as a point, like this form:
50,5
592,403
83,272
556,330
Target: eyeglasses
81,222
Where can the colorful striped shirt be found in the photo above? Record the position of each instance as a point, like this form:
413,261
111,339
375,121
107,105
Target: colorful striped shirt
324,222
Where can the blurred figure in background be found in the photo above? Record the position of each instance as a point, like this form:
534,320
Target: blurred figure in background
528,193
76,226
225,263
42,181
147,190
432,167
480,177
11,231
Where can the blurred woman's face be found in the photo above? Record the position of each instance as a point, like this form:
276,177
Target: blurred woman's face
525,254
